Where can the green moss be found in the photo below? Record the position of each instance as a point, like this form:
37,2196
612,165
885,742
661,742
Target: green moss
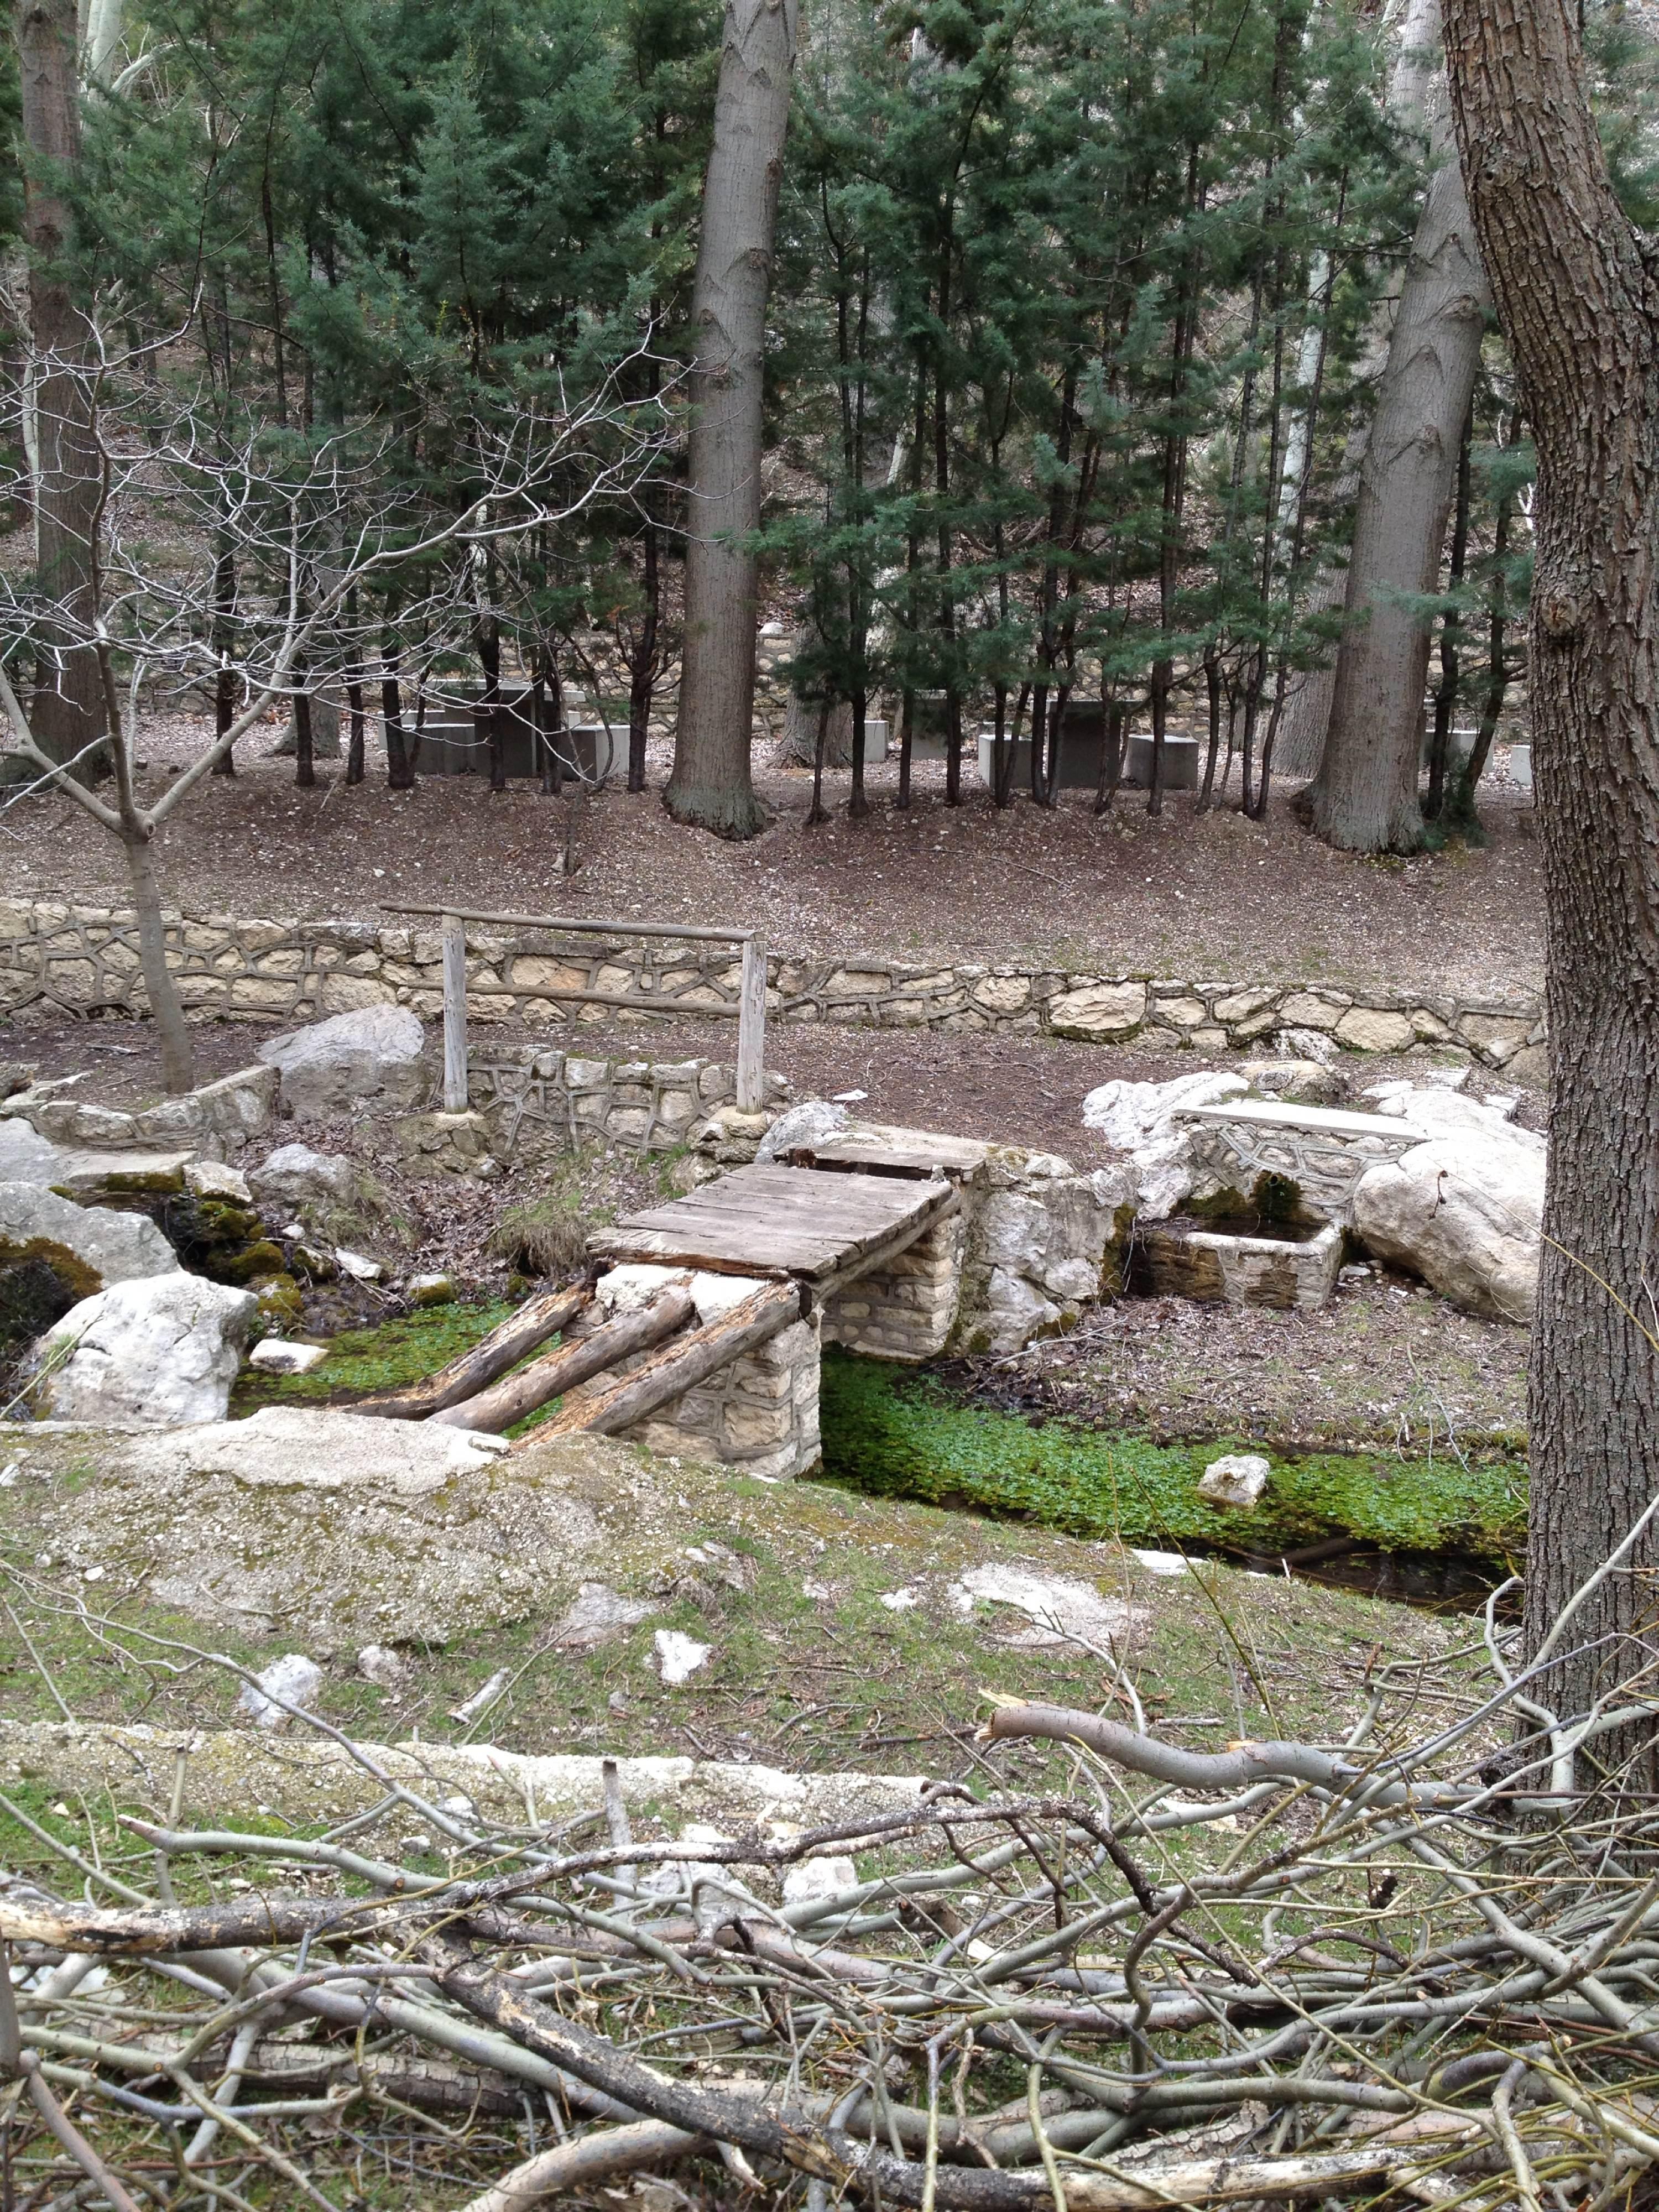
40,1281
899,1435
363,1360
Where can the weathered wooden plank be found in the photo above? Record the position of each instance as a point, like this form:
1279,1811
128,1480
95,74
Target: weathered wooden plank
679,1367
751,1028
555,1373
454,940
913,1151
768,1219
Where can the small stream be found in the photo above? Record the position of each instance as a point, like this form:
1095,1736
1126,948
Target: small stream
1440,1535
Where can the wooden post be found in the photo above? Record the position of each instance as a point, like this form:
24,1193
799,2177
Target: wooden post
751,1026
454,1014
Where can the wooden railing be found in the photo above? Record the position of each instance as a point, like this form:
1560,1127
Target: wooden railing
749,1012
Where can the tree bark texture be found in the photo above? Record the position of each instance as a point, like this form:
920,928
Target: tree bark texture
1417,104
1579,304
710,786
1365,796
67,713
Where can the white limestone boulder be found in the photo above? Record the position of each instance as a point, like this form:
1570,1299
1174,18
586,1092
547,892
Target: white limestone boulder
372,1058
1138,1118
295,1176
159,1350
808,1124
87,1247
1465,1210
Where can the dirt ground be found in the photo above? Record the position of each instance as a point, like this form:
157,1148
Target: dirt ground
1384,1367
1210,897
1001,1090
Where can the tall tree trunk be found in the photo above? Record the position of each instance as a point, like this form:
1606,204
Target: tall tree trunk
68,711
642,672
1579,303
1365,796
1416,92
710,786
400,769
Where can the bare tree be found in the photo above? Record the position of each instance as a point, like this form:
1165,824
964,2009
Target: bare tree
1579,303
710,786
313,535
69,701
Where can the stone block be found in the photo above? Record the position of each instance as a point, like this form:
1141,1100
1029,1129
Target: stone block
350,995
71,979
1529,1067
1238,1006
1313,1010
1003,994
252,993
1371,1028
1496,1037
1098,1011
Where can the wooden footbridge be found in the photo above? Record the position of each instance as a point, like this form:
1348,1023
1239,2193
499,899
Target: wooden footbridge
798,1236
782,1224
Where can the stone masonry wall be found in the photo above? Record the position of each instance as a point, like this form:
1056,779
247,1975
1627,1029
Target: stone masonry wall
760,1413
84,960
536,1100
905,1310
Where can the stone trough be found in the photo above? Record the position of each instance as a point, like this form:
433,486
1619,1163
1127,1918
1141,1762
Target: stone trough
1301,1165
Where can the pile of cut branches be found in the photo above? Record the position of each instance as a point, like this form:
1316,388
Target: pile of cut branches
1409,1962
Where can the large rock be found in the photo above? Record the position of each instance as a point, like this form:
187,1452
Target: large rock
158,1350
1138,1118
87,1247
294,1175
331,1529
372,1058
1465,1211
812,1122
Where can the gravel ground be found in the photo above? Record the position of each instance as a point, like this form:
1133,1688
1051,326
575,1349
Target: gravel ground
1384,1365
1211,896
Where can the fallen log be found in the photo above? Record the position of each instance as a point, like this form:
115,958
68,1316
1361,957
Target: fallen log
555,1373
506,1344
681,1365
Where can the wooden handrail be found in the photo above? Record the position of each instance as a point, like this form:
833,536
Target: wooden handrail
689,930
750,1009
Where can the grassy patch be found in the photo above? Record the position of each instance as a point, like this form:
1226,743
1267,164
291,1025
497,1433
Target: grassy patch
362,1360
901,1436
809,1666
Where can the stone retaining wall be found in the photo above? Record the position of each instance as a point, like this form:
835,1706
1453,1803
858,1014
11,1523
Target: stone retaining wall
536,1101
82,959
905,1309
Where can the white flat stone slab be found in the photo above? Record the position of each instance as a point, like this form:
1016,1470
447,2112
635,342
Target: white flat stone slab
1315,1120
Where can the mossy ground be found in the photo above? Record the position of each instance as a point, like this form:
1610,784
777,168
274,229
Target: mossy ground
902,1435
383,1357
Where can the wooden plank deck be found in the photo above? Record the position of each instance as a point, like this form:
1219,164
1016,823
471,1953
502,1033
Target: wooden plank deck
875,1149
784,1222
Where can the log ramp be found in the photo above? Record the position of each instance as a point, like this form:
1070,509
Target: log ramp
701,1322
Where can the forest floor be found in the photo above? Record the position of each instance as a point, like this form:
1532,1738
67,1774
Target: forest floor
1207,897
